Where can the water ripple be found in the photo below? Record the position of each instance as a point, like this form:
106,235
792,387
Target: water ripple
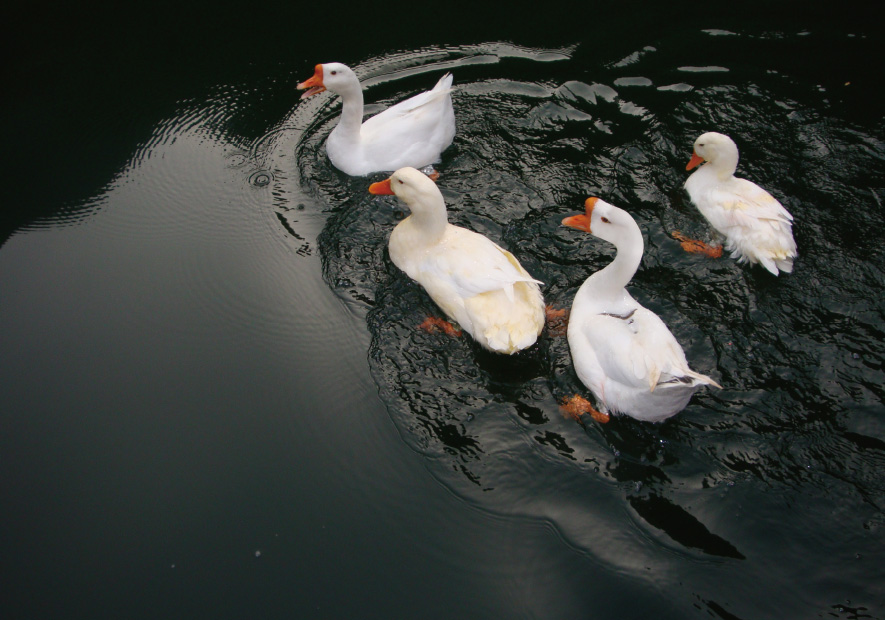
802,373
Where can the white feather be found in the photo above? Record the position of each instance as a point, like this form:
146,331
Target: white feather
478,284
757,228
413,132
621,351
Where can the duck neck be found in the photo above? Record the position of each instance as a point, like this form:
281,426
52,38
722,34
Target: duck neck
609,283
430,219
351,112
725,165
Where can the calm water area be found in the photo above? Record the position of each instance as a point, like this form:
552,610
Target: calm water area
214,399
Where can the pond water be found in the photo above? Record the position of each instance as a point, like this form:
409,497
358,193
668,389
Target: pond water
216,402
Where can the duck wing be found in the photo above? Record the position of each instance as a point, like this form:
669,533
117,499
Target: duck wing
757,227
636,349
425,108
414,103
747,205
470,264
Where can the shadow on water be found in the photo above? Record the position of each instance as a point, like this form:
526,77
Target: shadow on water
745,476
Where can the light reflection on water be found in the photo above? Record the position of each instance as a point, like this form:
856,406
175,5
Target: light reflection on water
772,481
741,477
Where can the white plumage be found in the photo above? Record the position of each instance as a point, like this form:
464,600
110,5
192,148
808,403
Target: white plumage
757,228
413,132
478,284
621,351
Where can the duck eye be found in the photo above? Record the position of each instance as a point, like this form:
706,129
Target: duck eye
605,219
400,181
334,73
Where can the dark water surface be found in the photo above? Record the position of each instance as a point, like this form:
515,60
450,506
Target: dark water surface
215,402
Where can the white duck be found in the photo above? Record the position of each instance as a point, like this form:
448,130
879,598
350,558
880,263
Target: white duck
757,228
622,351
413,132
478,284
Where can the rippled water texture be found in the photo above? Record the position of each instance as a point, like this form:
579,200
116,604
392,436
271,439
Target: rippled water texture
775,479
236,372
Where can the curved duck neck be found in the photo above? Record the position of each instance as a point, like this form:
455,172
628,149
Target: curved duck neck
609,283
351,111
429,218
724,166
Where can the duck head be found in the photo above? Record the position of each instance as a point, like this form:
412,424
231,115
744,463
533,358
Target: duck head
331,76
605,221
713,147
409,185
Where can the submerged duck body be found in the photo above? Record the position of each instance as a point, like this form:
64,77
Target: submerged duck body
412,133
757,228
478,284
623,352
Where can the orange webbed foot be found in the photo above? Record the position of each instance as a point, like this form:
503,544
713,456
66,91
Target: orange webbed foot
696,247
433,325
577,405
557,320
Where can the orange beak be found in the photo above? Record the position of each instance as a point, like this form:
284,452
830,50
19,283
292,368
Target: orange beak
381,188
582,221
696,160
315,83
